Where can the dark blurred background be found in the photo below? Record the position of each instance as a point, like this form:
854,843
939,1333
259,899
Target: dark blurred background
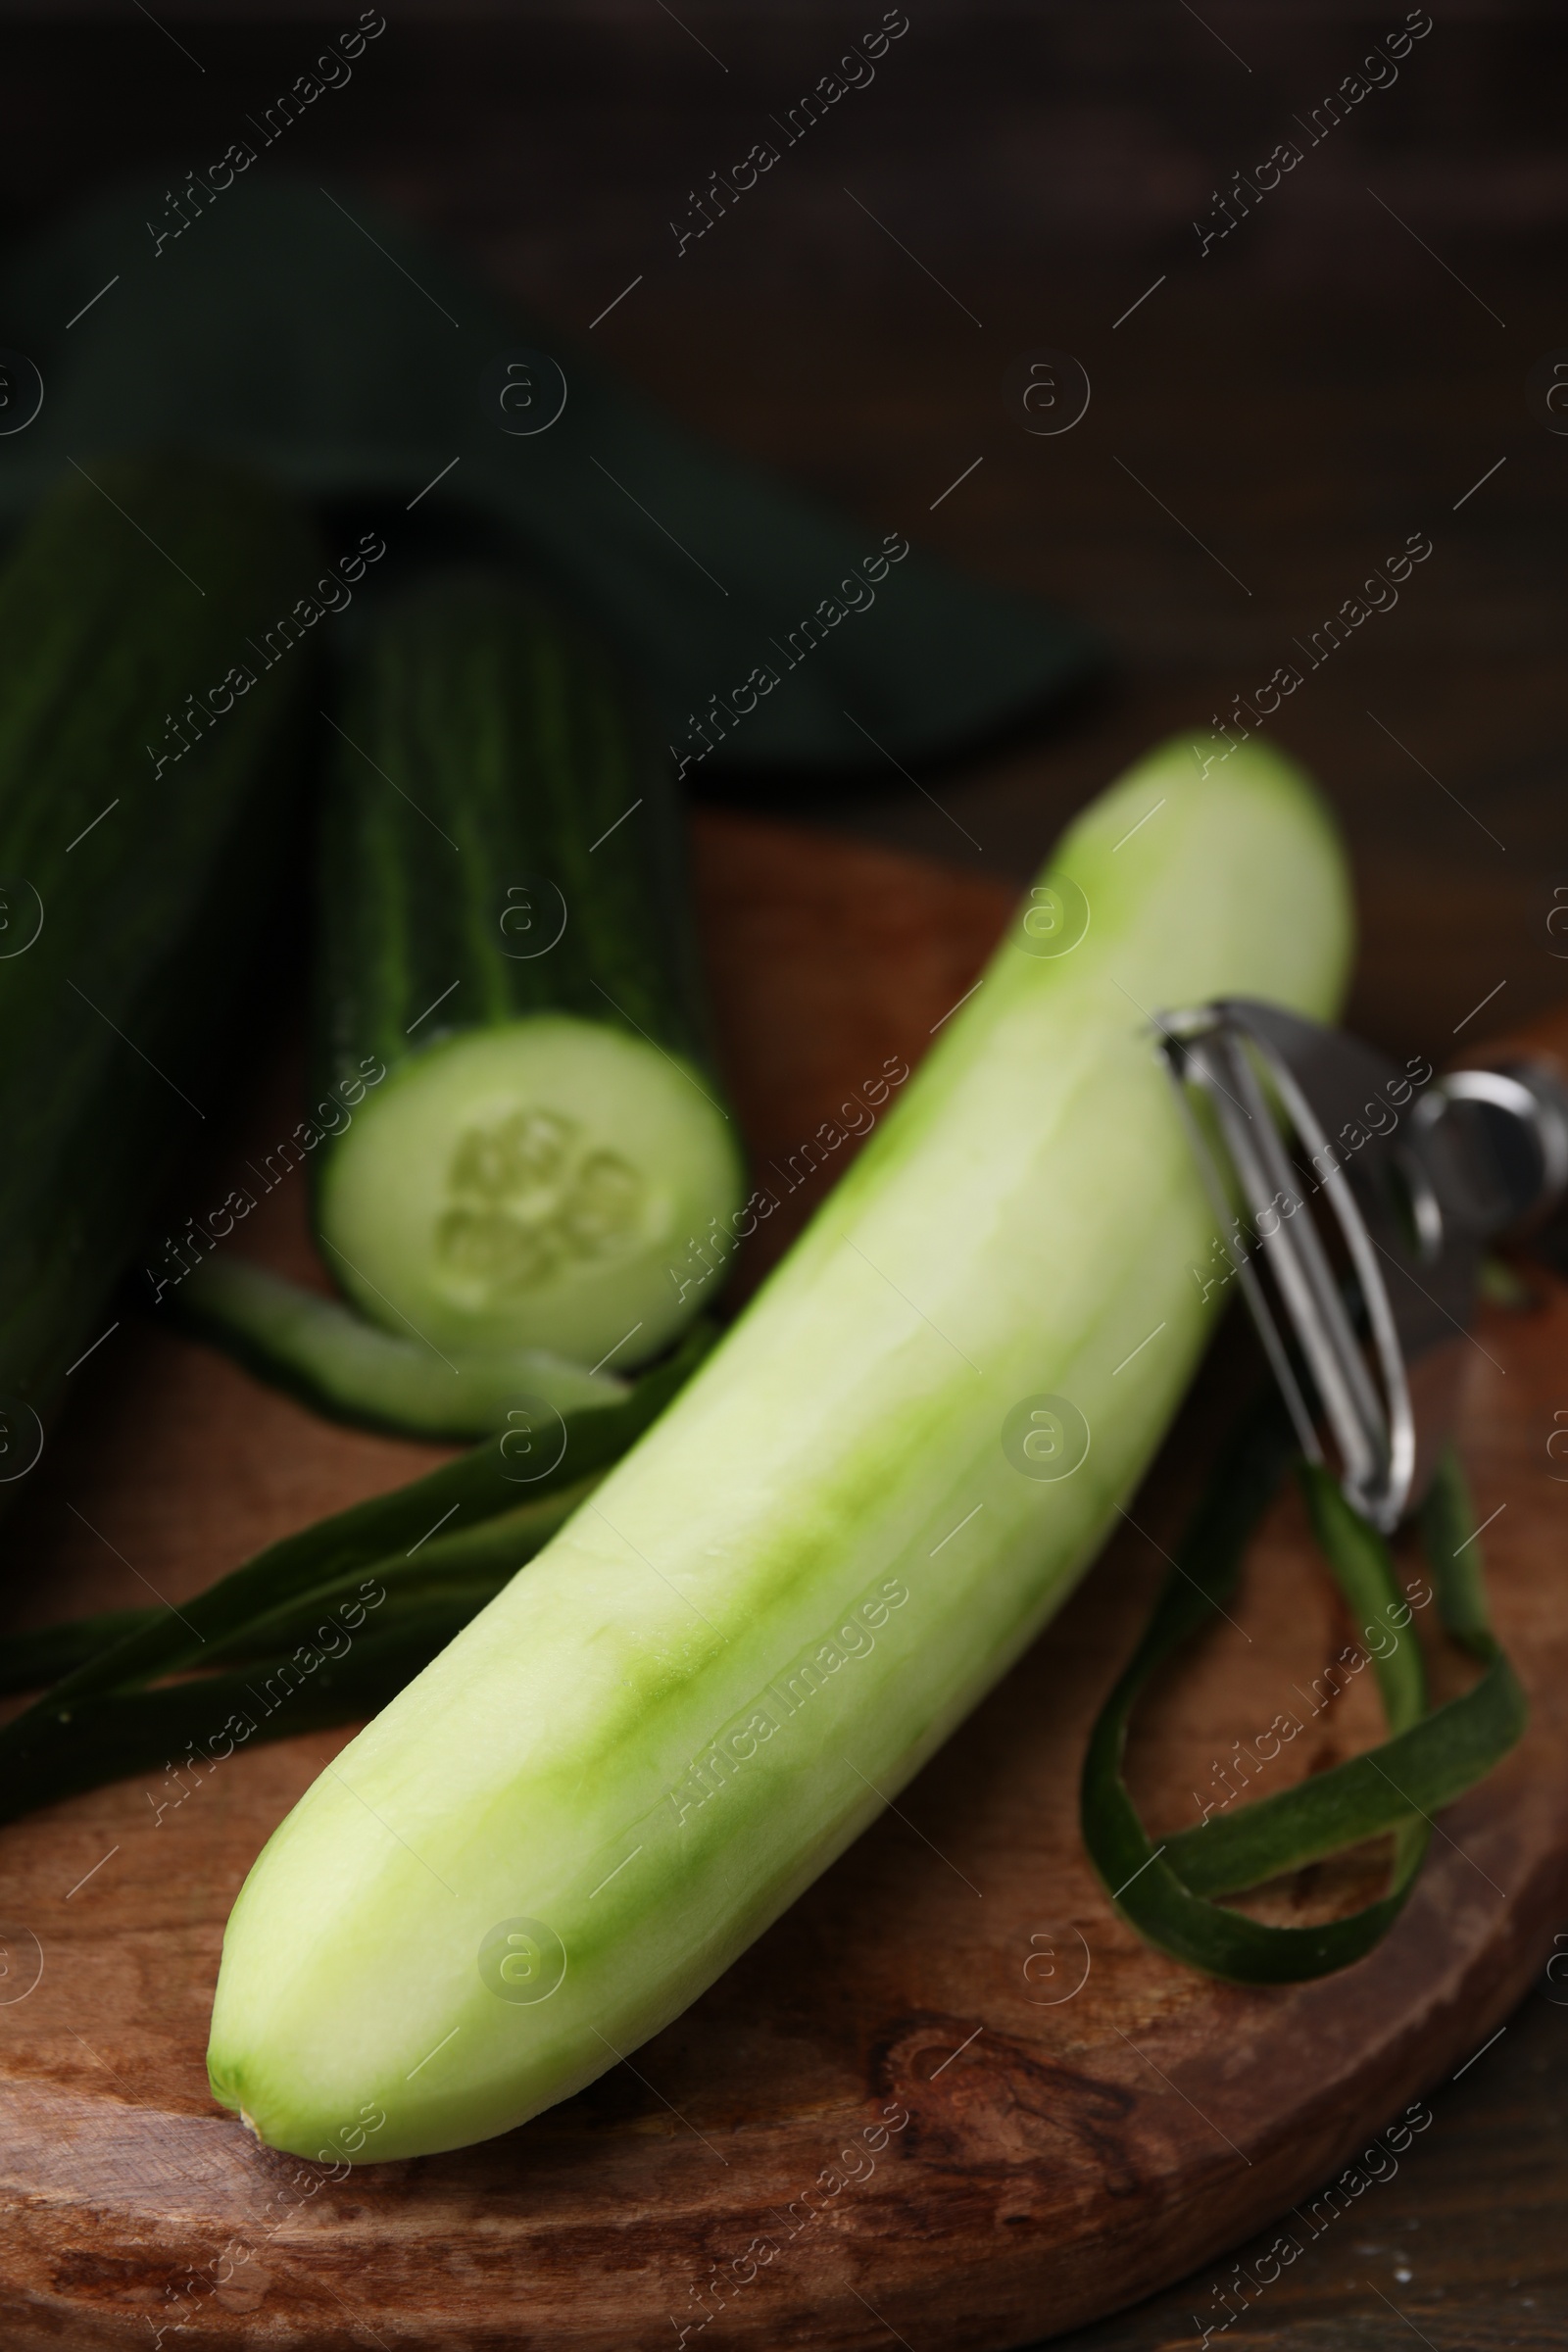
1347,367
1334,374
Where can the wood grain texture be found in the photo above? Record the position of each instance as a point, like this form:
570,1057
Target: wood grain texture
1082,2121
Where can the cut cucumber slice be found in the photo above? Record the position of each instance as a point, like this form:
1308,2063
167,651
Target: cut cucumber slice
334,1360
535,1185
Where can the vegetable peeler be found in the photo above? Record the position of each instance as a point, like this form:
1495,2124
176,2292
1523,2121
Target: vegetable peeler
1354,1201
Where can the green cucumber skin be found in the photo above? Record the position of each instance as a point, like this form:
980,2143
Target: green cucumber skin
152,913
509,734
1019,1226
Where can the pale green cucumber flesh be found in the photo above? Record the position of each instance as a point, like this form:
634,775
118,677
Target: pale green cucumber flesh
836,1539
347,1366
539,1184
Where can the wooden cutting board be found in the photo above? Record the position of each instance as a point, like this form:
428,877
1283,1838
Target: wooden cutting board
950,2100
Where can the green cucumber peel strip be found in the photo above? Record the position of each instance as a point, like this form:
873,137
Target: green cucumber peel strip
483,1484
348,1369
1429,1759
126,1732
32,1661
423,1601
477,1560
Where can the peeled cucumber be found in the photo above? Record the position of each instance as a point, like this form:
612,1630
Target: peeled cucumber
853,1519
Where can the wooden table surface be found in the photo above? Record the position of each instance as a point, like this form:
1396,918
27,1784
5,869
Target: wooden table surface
1271,422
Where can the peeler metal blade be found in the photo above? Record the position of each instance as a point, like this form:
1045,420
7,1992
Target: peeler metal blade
1353,1201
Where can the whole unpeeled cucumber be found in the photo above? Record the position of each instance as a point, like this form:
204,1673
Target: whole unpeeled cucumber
148,771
